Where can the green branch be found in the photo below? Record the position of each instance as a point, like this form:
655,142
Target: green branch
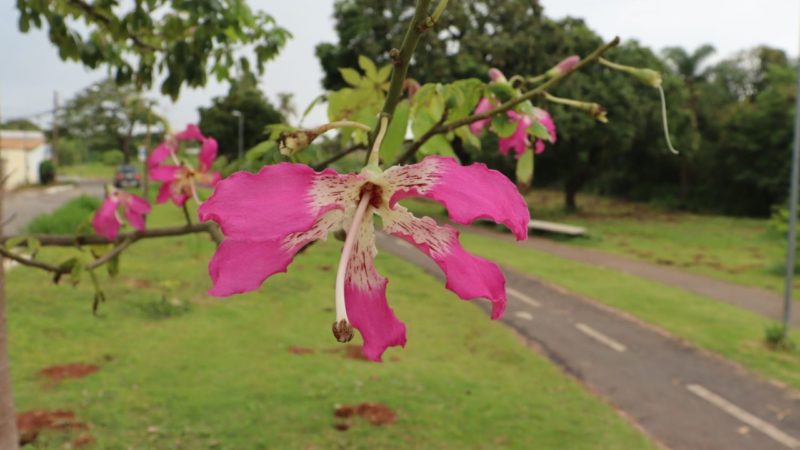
539,90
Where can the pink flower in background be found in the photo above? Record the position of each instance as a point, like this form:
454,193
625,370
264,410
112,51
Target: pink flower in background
478,126
545,119
106,221
180,180
269,216
519,140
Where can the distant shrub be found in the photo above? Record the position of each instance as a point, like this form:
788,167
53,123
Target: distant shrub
113,158
47,172
73,217
164,309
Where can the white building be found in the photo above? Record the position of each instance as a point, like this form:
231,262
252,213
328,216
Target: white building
22,153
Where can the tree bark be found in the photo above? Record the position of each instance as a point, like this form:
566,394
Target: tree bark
579,178
9,439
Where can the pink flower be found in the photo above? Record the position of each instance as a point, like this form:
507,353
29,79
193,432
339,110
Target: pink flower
484,105
545,119
106,221
269,216
180,180
519,140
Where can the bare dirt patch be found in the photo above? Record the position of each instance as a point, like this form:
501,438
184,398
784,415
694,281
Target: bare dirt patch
374,413
31,423
297,350
76,370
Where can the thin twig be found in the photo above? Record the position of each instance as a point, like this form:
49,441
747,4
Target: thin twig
112,254
30,262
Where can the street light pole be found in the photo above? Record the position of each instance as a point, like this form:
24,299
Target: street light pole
241,133
793,198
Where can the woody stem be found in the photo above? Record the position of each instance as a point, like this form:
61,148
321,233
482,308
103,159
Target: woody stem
349,242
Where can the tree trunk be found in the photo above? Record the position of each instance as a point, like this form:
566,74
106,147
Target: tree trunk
9,440
578,179
126,145
684,195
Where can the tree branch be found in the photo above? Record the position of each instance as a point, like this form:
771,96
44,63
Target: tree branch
110,255
107,22
55,240
29,262
539,90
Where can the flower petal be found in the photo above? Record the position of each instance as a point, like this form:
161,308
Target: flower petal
208,152
468,192
159,154
163,173
469,276
191,133
135,209
280,199
365,297
478,126
169,190
105,222
519,140
242,265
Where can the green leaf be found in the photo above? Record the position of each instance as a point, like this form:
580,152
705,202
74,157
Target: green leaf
503,125
396,134
469,138
503,91
539,131
370,71
383,73
311,106
524,170
350,76
15,241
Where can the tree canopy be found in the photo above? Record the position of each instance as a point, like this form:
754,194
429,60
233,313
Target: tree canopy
180,42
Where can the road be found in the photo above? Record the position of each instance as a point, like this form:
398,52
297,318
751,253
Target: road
760,301
20,207
684,397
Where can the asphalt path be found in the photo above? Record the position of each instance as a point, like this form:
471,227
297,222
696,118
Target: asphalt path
760,301
685,398
20,207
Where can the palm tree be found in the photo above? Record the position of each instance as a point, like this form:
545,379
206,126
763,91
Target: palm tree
688,66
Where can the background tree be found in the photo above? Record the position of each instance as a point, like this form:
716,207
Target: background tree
105,116
219,122
177,41
689,67
20,124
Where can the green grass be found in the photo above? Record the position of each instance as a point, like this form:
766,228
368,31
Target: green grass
202,373
740,250
73,217
88,170
729,331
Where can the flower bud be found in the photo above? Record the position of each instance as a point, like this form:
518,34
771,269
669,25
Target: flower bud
566,65
294,141
647,76
342,331
497,76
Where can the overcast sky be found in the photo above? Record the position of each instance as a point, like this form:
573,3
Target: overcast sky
30,70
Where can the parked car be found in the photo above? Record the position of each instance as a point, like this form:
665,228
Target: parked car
127,176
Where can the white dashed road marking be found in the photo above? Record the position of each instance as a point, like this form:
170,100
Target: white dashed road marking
56,189
523,298
600,337
743,415
524,315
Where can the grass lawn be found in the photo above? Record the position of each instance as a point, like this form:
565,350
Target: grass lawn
729,331
740,250
88,170
195,372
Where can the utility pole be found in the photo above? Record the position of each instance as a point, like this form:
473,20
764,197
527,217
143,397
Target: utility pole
793,198
54,139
